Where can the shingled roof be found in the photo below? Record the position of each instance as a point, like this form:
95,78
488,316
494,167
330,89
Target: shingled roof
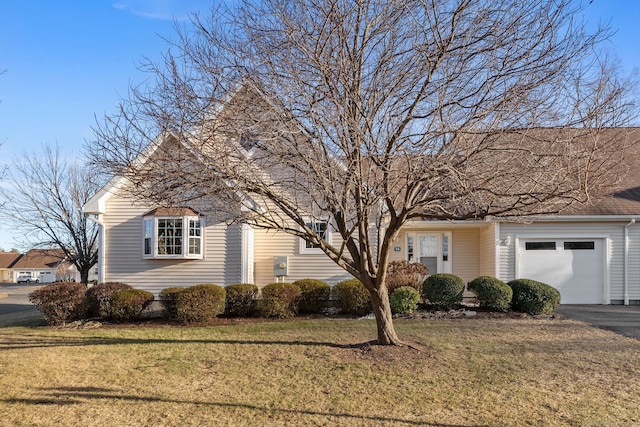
625,197
7,259
172,211
40,258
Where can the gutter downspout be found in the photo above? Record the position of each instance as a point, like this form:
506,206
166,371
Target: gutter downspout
101,246
626,261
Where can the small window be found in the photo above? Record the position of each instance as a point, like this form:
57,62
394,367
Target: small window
410,248
195,237
540,246
248,142
148,236
323,230
579,246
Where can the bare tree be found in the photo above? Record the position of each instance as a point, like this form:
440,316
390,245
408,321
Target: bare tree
44,202
368,114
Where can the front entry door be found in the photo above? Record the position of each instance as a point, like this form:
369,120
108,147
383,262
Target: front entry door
433,251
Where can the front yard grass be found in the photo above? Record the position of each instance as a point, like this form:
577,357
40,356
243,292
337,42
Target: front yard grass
460,372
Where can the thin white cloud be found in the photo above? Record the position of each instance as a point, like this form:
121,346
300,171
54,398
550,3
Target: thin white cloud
166,10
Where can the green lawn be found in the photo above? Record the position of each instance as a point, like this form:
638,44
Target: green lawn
463,372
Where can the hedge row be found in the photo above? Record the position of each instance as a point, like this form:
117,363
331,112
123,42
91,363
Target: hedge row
444,291
68,301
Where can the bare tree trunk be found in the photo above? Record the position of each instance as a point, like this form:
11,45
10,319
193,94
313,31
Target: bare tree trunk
384,319
84,276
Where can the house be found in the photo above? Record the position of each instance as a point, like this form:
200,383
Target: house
7,259
46,265
590,253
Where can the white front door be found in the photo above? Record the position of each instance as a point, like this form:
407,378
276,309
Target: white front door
432,250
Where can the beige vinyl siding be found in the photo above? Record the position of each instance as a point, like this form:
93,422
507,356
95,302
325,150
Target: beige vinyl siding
465,253
401,243
125,263
269,244
634,264
614,231
487,251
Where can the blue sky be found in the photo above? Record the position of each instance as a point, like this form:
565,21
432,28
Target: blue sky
67,61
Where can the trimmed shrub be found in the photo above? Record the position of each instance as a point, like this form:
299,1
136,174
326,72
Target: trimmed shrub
404,299
532,297
405,273
313,294
99,298
491,293
168,301
280,300
200,303
443,291
61,302
240,300
354,297
129,304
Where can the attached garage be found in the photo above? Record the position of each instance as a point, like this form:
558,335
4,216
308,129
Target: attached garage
577,267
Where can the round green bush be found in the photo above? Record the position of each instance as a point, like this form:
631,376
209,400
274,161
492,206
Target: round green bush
354,297
129,304
61,302
532,297
404,299
99,298
280,300
313,295
200,303
241,298
491,293
167,298
443,291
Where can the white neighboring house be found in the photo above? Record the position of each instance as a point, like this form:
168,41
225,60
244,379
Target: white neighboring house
43,265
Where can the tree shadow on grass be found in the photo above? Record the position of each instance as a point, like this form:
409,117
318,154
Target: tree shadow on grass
12,342
80,395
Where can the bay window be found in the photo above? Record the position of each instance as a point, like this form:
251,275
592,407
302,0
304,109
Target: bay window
172,233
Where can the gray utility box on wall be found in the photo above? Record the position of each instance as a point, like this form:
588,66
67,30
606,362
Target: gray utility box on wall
280,266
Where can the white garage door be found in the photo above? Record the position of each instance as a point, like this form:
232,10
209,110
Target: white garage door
573,266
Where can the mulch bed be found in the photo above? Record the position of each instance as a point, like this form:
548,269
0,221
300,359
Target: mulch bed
156,320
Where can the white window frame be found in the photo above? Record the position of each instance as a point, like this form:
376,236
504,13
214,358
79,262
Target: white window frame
305,247
189,236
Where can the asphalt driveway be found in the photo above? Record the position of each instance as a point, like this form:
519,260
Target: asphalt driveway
15,308
621,319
